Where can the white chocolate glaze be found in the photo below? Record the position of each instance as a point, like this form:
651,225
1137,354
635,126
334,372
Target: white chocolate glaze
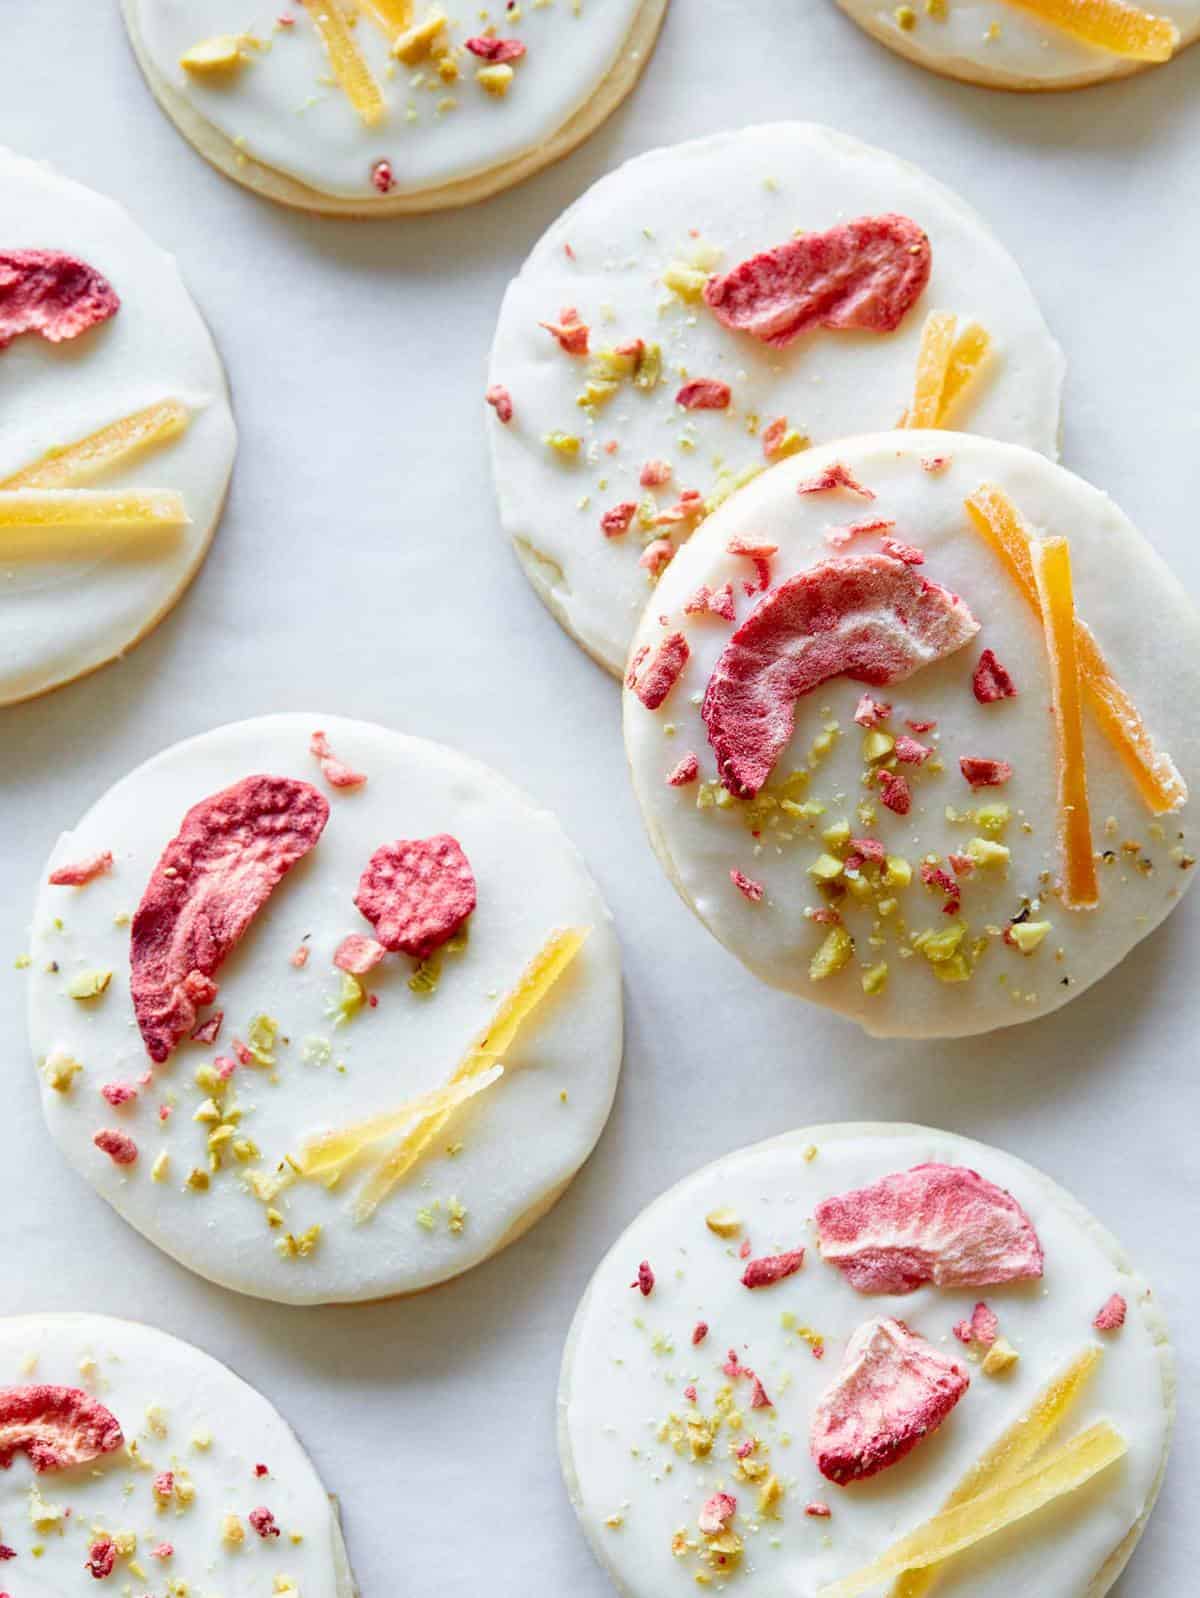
1146,627
185,1413
717,201
516,1146
62,617
996,43
629,1358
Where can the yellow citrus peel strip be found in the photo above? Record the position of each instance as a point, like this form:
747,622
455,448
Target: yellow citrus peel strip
971,350
489,1047
1052,573
110,446
933,362
392,16
353,74
999,522
1013,1453
952,1530
1110,25
73,509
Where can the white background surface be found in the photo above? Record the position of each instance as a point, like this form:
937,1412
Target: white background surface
359,570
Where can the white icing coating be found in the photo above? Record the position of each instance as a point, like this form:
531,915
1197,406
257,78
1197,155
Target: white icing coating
741,193
521,1141
628,1360
62,617
187,1414
995,42
284,109
1149,633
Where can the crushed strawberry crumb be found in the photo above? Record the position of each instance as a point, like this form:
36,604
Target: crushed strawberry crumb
80,872
991,680
500,400
984,773
704,394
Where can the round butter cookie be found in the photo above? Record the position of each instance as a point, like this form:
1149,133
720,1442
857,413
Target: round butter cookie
117,440
856,1347
387,107
910,722
133,1458
327,1013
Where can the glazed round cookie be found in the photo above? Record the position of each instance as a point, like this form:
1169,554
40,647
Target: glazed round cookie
1031,44
117,434
132,1456
313,1090
398,109
611,439
834,1332
839,718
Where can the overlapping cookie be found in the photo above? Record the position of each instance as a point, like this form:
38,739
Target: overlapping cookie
866,1359
327,1013
910,721
130,1458
116,438
380,107
714,307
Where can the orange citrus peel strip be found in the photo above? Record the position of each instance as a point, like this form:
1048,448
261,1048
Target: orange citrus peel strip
1013,1453
489,1047
971,350
110,446
75,509
354,76
933,362
1110,25
998,521
1052,573
392,16
952,1530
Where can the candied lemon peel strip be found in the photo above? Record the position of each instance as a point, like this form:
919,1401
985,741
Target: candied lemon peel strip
952,1530
1112,25
1056,593
71,509
490,1046
354,76
1012,1453
997,520
68,464
392,16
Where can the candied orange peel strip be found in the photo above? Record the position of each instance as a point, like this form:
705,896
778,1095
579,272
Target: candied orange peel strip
952,1530
75,509
354,76
971,350
110,446
1111,25
997,520
933,363
489,1047
392,16
1012,1453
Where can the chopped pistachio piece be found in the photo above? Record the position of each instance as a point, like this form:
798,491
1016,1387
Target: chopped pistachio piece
88,984
1028,935
724,1222
834,953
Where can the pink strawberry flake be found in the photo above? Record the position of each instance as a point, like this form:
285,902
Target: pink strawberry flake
871,712
261,1470
689,1393
760,553
119,1146
381,177
357,954
758,1395
118,1093
831,479
711,602
500,400
618,519
961,864
818,1510
745,1448
490,49
1110,1317
908,553
163,1551
894,792
920,726
934,877
654,474
102,1558
6,1552
704,394
699,1333
54,295
231,852
685,772
864,274
717,1513
687,508
985,1323
747,886
657,555
839,537
935,1223
909,752
644,1280
224,1067
985,773
80,872
652,679
733,1368
867,851
773,437
893,1389
962,1330
56,1427
417,893
569,331
744,1249
263,1522
991,681
867,617
935,463
299,956
336,773
163,1485
772,1268
208,1030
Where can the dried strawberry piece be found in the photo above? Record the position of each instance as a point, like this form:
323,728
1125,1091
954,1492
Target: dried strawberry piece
1110,1317
381,176
747,886
616,521
935,1223
991,681
867,617
711,602
55,1426
984,773
357,954
868,851
871,712
862,274
102,1558
336,773
699,1333
961,864
717,1513
772,1268
909,752
686,509
208,1030
644,1280
758,1394
652,679
686,771
500,400
570,332
654,474
894,792
894,1388
818,1510
908,553
839,537
119,1146
985,1323
831,479
657,555
934,877
118,1093
263,1522
935,463
704,394
417,893
758,552
81,871
55,295
231,852
920,726
489,49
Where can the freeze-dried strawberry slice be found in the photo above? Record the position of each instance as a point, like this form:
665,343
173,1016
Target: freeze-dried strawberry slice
867,617
56,295
231,852
772,1268
862,274
936,1223
56,1426
416,893
893,1389
982,773
652,679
